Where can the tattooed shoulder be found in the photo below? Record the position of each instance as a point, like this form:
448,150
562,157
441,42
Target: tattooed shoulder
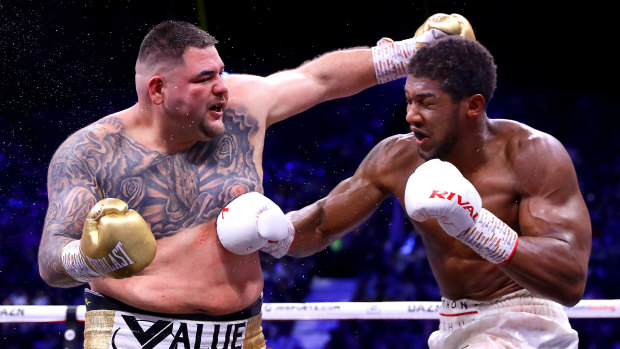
95,132
71,181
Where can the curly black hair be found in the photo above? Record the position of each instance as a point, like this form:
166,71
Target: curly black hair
463,66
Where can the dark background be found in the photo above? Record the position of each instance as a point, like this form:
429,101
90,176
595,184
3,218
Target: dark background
66,64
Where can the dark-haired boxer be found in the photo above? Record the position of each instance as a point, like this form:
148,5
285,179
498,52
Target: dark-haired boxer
192,143
496,203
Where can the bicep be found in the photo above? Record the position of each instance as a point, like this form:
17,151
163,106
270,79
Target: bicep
563,217
71,193
275,97
555,234
291,92
552,205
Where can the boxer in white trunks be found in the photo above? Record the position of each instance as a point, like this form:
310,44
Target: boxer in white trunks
496,203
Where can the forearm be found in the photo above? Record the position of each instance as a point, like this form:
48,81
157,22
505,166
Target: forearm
51,267
59,230
318,225
548,267
309,237
349,71
347,206
342,73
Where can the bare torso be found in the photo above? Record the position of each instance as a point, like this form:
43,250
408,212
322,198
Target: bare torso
191,273
459,271
180,196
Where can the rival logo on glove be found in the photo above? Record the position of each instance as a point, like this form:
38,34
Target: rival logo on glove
442,194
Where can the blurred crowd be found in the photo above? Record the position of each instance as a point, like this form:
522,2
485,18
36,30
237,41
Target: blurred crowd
384,255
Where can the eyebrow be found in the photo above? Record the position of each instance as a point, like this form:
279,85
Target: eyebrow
425,94
206,72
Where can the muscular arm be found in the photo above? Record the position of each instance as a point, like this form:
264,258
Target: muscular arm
278,96
333,75
554,249
347,72
71,193
348,205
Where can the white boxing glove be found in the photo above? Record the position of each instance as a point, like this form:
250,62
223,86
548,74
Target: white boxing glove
437,189
252,222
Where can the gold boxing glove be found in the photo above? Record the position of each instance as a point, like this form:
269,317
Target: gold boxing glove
116,241
453,24
390,58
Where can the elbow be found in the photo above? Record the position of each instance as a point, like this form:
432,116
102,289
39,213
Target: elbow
567,296
42,273
572,293
46,278
45,272
566,289
571,297
571,288
52,280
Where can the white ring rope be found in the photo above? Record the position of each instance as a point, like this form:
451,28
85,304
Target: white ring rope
587,308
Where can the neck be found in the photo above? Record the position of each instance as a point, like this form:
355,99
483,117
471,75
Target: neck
152,130
470,151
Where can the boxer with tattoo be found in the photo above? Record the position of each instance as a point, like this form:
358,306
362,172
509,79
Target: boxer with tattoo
134,197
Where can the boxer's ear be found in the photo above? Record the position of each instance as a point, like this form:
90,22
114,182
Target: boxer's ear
475,105
155,89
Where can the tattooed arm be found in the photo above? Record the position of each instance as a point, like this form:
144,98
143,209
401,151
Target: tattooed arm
71,194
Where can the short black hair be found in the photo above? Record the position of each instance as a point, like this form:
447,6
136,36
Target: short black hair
463,66
169,39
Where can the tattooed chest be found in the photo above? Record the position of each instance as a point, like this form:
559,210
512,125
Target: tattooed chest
175,192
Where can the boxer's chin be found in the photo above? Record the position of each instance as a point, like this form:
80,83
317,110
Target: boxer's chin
213,128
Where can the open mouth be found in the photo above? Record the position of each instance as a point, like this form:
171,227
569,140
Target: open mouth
419,136
217,107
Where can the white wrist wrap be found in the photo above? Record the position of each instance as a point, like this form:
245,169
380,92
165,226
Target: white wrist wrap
491,238
280,248
391,59
74,263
